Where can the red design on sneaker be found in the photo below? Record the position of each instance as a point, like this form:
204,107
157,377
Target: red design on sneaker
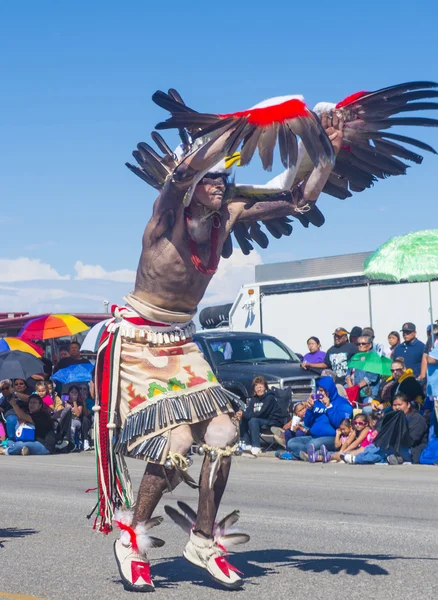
225,566
141,569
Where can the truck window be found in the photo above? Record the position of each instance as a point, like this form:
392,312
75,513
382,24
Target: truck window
228,351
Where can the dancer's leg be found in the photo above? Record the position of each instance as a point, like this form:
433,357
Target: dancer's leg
133,564
155,479
202,549
220,433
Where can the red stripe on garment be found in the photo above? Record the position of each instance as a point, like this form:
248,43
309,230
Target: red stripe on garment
273,114
350,99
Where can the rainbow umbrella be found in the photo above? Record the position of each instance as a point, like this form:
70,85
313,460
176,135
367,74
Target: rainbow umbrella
51,326
13,343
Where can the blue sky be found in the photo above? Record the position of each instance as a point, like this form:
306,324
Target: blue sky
77,80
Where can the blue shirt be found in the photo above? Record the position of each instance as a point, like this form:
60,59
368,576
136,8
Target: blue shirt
412,352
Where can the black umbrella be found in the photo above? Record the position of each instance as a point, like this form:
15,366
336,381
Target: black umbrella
19,365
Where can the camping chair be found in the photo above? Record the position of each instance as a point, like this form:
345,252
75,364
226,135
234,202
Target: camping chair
284,399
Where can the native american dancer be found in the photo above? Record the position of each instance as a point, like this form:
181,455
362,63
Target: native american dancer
156,394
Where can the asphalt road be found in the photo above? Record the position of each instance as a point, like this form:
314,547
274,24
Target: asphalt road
318,532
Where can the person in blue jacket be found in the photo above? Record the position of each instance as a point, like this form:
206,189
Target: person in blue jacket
325,411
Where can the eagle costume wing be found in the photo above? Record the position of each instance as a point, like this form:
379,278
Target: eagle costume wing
275,121
154,169
369,151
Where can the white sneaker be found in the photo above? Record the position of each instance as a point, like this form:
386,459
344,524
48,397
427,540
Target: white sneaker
86,445
206,554
255,451
134,569
245,447
348,458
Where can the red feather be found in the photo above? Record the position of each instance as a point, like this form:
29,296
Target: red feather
132,534
349,99
278,113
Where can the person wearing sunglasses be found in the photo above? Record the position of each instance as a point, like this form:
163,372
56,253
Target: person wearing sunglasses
404,382
367,382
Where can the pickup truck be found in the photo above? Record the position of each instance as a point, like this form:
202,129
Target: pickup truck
237,357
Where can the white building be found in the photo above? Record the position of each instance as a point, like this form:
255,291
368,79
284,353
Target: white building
298,299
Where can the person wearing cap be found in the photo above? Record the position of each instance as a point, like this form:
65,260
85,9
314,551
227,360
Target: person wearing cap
367,382
355,333
411,349
339,354
379,348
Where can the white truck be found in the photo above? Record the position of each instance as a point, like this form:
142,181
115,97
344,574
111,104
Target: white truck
295,300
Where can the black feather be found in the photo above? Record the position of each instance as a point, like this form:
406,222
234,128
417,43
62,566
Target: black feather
188,120
415,106
397,150
177,97
333,190
406,140
233,142
395,90
415,121
249,146
219,124
165,101
149,151
386,163
162,144
258,235
271,226
188,511
145,176
266,145
179,519
227,249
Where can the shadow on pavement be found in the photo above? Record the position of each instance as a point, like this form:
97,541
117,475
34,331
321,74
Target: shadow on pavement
167,573
13,532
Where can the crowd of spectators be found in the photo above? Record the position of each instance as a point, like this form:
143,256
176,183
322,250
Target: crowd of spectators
42,416
357,416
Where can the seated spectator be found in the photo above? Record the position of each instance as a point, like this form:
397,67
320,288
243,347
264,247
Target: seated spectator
7,409
368,383
293,428
411,349
262,411
410,451
356,439
80,419
393,341
378,348
343,435
325,412
314,359
355,333
38,416
74,357
405,382
87,419
76,406
339,387
56,402
339,354
62,417
41,390
21,390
